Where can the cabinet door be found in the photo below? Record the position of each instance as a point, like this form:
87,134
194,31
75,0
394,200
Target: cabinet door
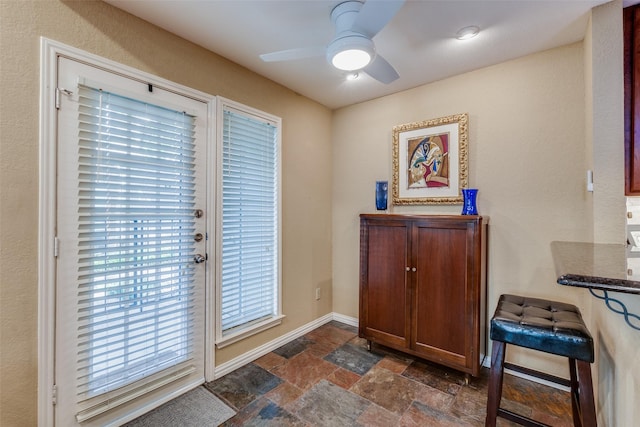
442,319
384,297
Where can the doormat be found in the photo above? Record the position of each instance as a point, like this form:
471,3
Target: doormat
196,408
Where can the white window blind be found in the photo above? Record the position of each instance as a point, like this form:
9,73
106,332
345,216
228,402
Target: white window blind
136,246
250,208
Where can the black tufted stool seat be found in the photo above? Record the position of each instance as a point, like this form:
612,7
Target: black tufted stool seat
549,326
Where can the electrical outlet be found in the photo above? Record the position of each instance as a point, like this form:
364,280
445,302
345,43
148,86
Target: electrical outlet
317,293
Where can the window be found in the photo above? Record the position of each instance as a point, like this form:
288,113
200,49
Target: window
249,224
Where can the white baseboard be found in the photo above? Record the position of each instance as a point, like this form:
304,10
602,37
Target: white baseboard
258,352
348,320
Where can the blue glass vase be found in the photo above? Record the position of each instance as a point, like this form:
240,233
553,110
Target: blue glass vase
381,195
469,201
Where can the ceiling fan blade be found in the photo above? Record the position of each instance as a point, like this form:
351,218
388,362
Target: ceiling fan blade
381,70
292,54
374,15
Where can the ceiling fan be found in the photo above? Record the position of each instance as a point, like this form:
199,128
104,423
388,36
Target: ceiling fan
352,48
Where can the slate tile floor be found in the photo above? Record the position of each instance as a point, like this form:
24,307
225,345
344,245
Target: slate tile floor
328,378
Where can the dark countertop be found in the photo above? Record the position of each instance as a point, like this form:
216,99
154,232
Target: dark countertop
597,266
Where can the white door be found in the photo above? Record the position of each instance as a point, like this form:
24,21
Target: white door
131,245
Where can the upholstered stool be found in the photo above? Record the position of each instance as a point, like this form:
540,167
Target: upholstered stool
548,326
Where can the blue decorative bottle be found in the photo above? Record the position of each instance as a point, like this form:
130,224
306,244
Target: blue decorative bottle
381,195
469,201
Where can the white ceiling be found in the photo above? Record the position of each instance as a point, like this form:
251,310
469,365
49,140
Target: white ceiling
419,41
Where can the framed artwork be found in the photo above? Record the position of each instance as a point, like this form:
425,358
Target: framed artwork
431,161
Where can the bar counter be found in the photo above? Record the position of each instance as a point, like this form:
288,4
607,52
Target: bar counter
608,267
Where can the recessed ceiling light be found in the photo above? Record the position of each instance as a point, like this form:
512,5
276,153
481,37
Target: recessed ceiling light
467,33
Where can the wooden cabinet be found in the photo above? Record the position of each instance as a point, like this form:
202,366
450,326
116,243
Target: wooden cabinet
423,286
631,28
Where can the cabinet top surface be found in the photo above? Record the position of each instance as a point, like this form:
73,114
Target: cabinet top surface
462,218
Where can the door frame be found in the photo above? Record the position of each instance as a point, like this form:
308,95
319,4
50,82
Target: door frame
49,52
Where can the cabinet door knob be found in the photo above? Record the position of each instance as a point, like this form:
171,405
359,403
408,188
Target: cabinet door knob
413,269
407,268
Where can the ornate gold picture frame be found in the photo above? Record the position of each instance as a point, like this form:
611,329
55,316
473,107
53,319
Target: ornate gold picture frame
431,161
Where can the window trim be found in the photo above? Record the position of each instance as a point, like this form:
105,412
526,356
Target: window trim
221,340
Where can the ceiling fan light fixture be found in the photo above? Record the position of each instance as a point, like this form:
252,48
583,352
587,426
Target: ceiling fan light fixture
351,59
467,33
350,53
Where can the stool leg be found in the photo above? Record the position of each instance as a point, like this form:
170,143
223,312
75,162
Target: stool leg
495,383
575,389
587,404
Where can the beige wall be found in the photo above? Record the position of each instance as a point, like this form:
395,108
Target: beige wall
617,345
106,31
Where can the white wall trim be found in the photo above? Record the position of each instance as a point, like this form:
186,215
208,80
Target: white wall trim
260,351
348,320
46,232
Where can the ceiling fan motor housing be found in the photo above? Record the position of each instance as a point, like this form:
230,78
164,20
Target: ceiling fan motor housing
347,42
344,15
